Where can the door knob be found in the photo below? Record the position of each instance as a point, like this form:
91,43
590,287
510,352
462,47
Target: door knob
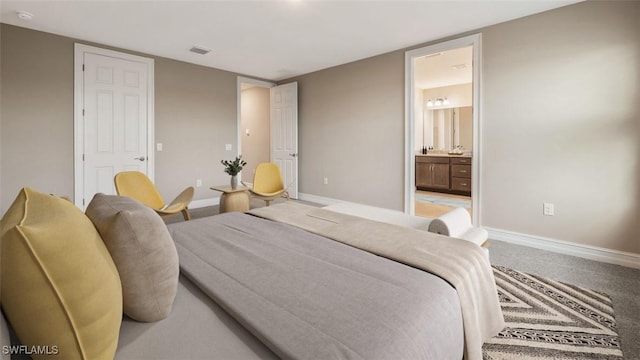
294,154
141,158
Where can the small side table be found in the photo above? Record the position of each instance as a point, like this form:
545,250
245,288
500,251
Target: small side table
233,199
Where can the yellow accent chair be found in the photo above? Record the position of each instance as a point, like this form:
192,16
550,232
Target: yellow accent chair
267,183
137,185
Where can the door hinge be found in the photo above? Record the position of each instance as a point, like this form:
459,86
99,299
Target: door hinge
82,112
82,201
82,157
82,67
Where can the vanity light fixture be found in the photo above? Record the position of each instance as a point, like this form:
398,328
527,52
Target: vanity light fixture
437,102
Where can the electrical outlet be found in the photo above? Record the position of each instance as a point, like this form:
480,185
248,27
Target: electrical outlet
198,182
547,209
326,181
228,147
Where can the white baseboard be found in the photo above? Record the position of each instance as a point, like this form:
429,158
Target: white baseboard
319,199
330,201
204,202
568,248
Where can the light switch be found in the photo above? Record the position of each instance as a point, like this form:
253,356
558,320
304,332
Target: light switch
159,146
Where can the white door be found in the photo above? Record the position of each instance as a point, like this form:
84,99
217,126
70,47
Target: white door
284,133
115,121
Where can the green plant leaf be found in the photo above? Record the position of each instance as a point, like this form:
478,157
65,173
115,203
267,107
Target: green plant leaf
233,167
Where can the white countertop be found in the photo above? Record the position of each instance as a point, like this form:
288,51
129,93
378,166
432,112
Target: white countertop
443,155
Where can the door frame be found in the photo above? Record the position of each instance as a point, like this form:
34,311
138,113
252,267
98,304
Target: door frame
239,82
78,118
474,40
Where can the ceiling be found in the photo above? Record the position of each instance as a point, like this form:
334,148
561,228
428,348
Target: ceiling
271,40
452,67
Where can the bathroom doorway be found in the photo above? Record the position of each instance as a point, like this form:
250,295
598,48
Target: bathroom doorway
442,155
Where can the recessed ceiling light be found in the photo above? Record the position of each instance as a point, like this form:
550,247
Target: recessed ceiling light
199,50
23,15
459,66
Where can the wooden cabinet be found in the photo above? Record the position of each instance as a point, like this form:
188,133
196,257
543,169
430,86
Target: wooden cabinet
460,160
443,173
423,175
461,185
461,175
432,172
462,171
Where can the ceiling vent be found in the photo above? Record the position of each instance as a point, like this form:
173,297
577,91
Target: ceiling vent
199,50
23,15
459,66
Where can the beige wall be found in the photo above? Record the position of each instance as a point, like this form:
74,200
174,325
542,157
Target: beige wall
561,124
1,195
254,115
37,113
560,110
351,130
195,115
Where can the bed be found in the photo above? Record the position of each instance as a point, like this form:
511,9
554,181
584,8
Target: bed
286,281
281,292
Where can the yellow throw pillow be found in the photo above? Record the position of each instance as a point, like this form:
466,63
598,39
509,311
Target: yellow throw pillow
60,289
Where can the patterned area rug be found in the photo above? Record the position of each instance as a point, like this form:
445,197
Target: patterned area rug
547,319
453,202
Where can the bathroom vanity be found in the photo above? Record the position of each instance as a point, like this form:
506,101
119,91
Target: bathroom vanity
444,173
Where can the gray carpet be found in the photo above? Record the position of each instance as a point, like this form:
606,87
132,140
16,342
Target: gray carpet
622,284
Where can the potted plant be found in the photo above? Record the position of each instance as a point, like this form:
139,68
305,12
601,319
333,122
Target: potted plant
233,167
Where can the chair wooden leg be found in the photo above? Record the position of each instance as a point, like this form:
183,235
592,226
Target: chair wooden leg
185,213
267,201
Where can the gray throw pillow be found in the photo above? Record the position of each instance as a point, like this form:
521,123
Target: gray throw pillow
143,251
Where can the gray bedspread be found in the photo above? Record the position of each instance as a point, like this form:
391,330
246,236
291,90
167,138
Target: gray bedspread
309,297
461,263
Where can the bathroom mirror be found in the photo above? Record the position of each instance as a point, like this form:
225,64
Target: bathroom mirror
445,129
